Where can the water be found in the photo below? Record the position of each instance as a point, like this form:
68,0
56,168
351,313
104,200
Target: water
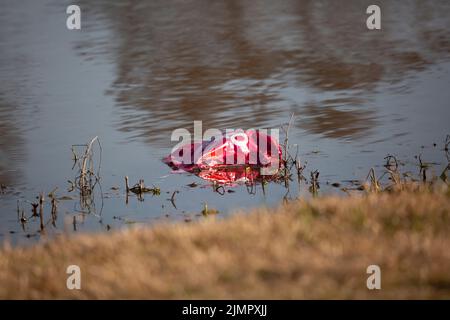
137,71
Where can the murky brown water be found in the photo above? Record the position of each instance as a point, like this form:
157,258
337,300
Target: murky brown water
138,70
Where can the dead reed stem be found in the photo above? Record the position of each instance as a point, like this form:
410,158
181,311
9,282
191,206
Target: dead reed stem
41,211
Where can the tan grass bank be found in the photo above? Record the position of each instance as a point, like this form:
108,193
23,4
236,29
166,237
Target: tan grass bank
316,249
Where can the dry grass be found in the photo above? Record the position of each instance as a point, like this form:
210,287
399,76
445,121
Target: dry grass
315,249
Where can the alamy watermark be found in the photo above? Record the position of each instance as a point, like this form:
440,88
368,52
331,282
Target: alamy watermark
73,21
373,22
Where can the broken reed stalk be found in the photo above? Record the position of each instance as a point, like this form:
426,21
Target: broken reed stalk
314,182
34,209
443,175
127,188
54,206
286,139
423,168
374,184
392,168
286,157
299,167
126,184
139,189
87,178
41,211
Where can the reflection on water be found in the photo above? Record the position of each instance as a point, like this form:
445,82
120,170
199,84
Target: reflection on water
140,69
328,120
228,62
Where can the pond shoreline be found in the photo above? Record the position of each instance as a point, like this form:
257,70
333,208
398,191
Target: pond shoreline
318,248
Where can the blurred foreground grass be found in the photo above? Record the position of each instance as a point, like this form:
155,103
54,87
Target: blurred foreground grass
305,249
